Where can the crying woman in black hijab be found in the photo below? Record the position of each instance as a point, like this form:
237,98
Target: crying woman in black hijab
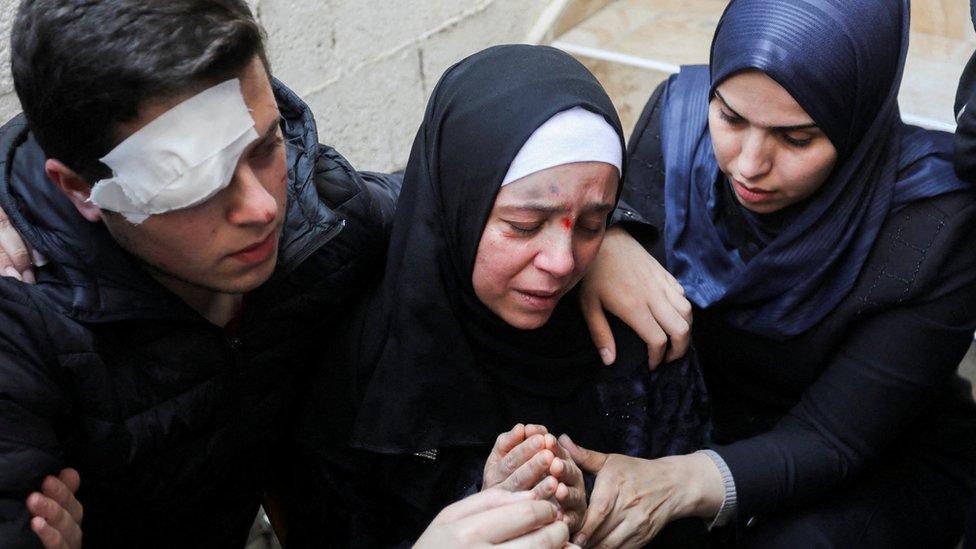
475,324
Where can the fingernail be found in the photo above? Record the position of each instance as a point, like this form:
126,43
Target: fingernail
29,276
606,356
38,258
12,273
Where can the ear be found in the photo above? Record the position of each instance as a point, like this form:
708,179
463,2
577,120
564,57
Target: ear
74,187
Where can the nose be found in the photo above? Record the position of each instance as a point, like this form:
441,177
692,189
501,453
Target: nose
755,158
556,256
250,203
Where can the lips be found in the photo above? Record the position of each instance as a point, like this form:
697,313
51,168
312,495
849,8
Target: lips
752,195
258,252
539,299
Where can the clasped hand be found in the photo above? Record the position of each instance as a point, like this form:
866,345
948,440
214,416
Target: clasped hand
528,457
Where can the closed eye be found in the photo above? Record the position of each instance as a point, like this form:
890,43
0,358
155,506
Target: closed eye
267,147
796,142
524,229
591,230
731,119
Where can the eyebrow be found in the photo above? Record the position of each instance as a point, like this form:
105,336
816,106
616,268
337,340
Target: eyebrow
272,126
539,207
809,126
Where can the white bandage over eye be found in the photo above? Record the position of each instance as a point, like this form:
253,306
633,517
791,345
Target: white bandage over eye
180,159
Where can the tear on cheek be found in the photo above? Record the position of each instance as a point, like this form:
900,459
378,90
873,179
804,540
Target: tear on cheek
567,223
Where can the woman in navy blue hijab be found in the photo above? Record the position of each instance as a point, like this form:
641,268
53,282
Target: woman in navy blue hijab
827,250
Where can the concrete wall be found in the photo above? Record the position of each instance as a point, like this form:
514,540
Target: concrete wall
365,66
9,105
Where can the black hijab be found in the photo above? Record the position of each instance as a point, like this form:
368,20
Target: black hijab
443,370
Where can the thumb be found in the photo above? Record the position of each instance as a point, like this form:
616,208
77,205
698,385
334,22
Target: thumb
590,461
600,333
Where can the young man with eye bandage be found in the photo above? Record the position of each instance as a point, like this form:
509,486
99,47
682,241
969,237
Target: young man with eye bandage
198,241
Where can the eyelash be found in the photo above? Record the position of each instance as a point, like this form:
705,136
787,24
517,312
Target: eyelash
732,120
524,230
532,230
798,143
268,147
735,120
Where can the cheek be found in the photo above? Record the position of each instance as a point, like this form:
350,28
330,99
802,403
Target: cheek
726,147
274,177
498,261
805,174
166,240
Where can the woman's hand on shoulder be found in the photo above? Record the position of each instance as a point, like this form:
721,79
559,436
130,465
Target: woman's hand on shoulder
17,260
495,517
634,498
627,281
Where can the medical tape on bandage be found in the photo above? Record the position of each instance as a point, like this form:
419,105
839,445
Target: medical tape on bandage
180,159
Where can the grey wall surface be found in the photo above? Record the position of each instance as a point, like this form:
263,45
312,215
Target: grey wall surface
366,67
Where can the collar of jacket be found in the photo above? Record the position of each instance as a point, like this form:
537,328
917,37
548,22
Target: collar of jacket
90,278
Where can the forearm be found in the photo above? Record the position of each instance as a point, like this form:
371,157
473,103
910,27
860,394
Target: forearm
886,375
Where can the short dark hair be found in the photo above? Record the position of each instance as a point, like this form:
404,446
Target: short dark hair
81,67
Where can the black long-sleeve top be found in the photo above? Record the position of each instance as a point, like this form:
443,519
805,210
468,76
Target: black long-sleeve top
871,383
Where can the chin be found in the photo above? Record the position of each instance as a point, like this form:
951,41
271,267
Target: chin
527,321
246,282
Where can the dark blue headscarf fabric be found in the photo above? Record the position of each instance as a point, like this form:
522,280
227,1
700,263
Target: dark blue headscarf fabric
842,61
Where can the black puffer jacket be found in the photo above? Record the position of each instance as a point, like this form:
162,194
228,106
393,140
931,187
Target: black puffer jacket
169,420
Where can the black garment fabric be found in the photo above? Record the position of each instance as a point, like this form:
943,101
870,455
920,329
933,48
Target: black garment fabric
863,415
169,419
451,376
426,314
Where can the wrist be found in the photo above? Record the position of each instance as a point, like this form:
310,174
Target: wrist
705,490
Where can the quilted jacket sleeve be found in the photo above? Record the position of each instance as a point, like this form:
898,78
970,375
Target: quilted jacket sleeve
29,401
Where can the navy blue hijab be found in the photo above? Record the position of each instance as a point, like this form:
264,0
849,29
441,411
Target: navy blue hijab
842,61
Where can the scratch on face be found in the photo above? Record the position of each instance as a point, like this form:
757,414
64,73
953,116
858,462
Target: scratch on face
567,223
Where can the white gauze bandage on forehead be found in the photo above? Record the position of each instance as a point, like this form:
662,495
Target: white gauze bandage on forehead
181,158
573,135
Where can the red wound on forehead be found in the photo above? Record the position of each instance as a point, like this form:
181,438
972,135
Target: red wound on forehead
567,223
